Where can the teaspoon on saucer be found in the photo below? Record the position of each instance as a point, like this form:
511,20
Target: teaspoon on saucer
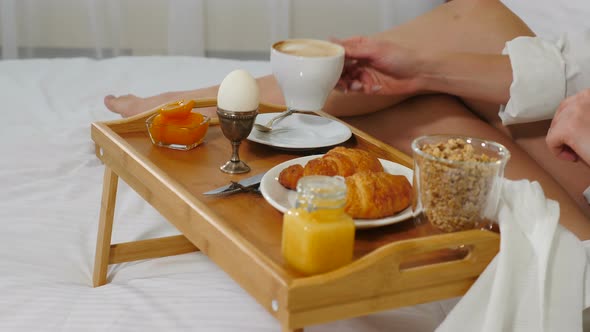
268,126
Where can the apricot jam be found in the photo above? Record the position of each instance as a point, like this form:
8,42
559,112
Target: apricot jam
175,126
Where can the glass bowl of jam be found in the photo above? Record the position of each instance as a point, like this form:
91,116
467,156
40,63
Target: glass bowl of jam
179,133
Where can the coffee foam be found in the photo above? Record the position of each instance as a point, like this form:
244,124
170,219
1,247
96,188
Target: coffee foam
308,48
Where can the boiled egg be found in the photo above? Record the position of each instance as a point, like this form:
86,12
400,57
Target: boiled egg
238,92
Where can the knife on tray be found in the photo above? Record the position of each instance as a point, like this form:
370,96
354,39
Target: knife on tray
246,185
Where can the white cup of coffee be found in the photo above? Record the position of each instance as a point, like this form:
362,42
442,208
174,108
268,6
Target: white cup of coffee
307,70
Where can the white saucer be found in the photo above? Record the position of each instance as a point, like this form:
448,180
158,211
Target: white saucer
300,131
283,199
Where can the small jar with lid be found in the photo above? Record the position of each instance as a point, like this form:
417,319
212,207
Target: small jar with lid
318,236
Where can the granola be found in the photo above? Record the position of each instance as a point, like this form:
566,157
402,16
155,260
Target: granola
454,194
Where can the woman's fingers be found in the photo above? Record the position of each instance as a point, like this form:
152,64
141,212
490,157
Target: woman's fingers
556,144
356,85
557,136
564,104
359,47
363,80
341,85
348,62
568,154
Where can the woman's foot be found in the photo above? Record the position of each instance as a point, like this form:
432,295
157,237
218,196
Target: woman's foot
129,105
126,105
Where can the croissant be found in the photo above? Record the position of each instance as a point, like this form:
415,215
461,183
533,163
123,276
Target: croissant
372,195
289,177
360,160
321,166
338,161
371,192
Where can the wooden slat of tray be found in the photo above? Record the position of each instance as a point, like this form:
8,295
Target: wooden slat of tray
249,220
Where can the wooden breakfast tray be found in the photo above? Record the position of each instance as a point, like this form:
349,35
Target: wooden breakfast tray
398,265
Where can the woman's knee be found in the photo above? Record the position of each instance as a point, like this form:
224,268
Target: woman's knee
482,26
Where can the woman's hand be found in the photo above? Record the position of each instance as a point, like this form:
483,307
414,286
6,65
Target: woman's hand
375,66
569,135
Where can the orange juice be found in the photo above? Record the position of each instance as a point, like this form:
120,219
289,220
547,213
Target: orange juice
318,236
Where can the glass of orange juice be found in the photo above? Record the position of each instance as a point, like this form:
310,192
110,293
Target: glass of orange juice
318,236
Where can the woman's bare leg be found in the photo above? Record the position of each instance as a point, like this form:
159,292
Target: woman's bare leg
474,26
440,114
461,25
129,105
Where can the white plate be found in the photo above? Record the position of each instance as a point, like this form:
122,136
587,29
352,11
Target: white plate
300,131
283,199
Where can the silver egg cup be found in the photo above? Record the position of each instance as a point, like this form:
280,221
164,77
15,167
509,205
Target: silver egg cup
236,126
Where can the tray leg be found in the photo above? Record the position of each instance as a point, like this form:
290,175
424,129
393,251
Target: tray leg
105,227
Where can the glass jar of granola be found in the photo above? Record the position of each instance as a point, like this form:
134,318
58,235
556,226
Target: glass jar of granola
457,181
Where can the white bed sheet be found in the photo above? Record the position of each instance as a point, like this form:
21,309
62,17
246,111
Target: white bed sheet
50,186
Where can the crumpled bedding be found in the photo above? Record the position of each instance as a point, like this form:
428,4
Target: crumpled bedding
50,187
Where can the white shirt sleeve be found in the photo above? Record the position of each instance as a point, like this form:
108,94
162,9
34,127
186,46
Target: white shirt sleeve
544,73
586,318
538,80
576,52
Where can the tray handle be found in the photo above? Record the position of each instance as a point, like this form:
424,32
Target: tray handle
473,251
381,273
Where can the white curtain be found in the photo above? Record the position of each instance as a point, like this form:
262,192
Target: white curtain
186,15
30,28
105,28
8,17
280,17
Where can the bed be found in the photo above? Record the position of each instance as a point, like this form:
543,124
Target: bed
50,200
